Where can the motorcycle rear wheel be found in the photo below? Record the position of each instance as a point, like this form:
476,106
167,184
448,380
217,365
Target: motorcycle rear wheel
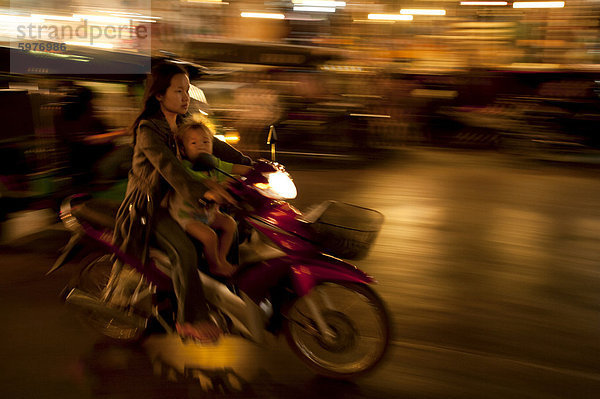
93,280
359,322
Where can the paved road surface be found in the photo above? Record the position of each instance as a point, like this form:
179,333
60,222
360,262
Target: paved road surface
489,265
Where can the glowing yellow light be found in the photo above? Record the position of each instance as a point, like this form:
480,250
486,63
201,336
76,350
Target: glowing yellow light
262,15
414,11
483,3
390,17
538,4
262,186
229,139
232,139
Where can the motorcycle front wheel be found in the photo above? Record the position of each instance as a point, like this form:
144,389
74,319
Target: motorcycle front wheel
93,280
358,324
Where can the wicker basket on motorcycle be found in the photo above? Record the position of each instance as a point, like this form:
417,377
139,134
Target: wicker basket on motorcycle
346,230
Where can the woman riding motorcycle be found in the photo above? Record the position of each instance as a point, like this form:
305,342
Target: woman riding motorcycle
156,170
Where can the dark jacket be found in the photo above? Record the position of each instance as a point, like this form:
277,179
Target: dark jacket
154,171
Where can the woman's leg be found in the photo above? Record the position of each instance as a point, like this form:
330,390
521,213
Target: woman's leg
226,226
192,308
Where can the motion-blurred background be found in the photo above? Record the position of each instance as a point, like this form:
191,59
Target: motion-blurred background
335,79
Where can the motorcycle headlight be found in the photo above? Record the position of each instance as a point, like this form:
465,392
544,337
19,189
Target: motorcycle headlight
280,186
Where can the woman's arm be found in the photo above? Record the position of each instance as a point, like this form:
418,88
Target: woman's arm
227,153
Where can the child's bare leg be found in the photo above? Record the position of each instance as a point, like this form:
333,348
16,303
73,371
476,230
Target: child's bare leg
226,226
210,241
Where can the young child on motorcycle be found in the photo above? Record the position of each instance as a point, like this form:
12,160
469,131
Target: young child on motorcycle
212,228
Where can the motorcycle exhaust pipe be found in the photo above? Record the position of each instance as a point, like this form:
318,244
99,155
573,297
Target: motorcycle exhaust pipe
86,301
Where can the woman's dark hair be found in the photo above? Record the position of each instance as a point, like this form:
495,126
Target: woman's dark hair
157,84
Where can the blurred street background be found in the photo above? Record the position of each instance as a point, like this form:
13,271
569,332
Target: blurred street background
472,126
489,268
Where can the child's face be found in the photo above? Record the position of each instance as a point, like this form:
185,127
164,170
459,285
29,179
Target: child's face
196,142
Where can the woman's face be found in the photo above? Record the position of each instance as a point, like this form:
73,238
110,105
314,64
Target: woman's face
176,99
196,142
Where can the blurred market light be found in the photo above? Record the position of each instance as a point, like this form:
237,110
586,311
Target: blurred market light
134,16
314,9
415,11
390,17
9,23
262,15
56,17
231,138
538,4
102,19
483,3
14,19
208,1
319,3
88,44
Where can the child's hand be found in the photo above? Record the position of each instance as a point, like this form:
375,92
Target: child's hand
217,193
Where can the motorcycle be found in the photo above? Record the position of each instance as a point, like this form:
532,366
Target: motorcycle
290,279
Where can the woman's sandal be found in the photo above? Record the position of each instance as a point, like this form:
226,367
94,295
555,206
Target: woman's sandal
205,332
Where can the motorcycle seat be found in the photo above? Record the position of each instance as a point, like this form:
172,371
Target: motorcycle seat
100,213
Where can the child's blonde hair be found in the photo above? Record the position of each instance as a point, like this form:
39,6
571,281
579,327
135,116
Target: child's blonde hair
183,129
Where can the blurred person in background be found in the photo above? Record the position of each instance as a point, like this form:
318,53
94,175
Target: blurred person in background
75,123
